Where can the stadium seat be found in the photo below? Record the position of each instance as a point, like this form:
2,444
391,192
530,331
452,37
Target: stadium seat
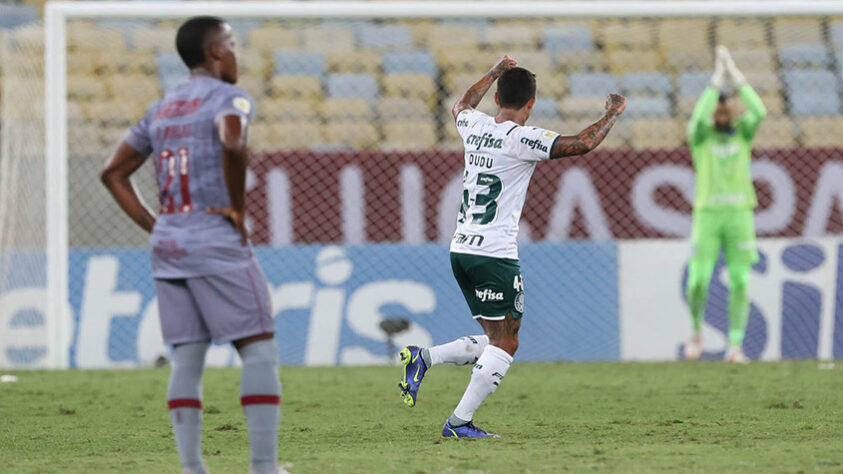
328,39
384,37
133,87
646,82
821,131
409,135
545,109
358,61
171,70
254,85
414,86
637,107
657,134
152,39
286,135
400,108
511,36
454,61
763,81
92,38
775,132
421,62
692,83
637,34
346,109
86,87
349,86
578,61
550,83
457,83
683,34
801,55
299,63
354,134
13,16
681,60
797,30
279,108
563,38
252,62
807,102
446,35
268,39
124,27
242,27
582,106
297,87
685,106
810,80
622,61
759,58
835,34
592,83
113,112
735,33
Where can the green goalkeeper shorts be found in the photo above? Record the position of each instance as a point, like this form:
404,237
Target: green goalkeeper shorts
492,287
732,230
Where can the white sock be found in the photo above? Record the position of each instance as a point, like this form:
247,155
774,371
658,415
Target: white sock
485,377
465,350
184,397
260,395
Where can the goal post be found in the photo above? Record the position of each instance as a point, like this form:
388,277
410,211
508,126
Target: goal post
59,320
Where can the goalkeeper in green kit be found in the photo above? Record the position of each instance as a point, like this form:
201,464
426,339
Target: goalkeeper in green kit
721,147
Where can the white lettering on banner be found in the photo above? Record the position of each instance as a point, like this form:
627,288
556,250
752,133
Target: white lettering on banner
775,217
353,205
412,202
364,316
323,339
101,303
22,336
576,189
829,189
278,198
665,220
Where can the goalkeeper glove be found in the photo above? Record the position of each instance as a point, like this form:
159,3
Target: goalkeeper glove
718,79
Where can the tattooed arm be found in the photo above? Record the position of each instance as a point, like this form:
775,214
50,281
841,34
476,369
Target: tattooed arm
472,97
588,139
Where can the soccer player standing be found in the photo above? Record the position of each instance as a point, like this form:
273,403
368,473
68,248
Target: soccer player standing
721,147
208,283
500,156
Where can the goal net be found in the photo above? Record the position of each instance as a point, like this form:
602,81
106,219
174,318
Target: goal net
355,175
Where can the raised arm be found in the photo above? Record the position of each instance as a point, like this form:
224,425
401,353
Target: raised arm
755,110
116,177
707,102
472,97
232,130
593,135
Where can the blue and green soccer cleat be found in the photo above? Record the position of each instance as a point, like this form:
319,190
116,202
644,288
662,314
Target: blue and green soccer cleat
465,431
414,369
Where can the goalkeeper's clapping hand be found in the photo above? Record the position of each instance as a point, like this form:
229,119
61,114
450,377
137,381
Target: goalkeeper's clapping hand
723,55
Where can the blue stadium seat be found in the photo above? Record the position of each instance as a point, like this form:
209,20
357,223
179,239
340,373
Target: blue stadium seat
242,27
13,16
125,27
567,38
799,81
545,108
299,63
592,83
352,86
803,55
810,103
835,33
171,70
384,36
414,62
651,107
692,83
650,82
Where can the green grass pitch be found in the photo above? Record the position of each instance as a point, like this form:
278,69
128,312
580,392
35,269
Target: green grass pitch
676,417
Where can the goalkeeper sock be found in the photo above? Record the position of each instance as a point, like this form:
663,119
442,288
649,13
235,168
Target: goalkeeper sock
738,302
696,291
184,398
260,395
487,374
465,350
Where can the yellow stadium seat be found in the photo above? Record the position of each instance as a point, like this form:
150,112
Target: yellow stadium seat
498,36
550,83
457,83
821,131
735,33
153,39
275,108
297,87
685,106
328,39
134,87
445,36
683,34
775,132
577,61
269,39
286,135
532,59
85,87
754,59
403,109
409,135
113,112
357,61
457,60
630,33
650,134
252,62
622,61
418,86
346,109
92,38
255,86
773,102
582,106
797,30
763,81
351,133
86,140
682,61
28,38
419,28
82,62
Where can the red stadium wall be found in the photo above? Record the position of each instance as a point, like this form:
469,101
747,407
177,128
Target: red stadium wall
606,194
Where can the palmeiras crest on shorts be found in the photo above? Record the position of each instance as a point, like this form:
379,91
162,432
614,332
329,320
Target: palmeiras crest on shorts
519,302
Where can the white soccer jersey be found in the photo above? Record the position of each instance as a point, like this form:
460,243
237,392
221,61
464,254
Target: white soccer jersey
499,162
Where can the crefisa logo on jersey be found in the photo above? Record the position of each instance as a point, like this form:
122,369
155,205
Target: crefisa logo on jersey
486,140
533,144
488,294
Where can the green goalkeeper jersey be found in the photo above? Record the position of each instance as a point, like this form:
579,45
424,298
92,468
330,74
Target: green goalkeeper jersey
722,160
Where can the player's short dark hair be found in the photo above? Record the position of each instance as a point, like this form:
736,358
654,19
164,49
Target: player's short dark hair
516,87
191,37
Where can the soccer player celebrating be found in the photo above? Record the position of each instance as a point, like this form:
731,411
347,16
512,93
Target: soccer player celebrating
721,146
500,156
208,283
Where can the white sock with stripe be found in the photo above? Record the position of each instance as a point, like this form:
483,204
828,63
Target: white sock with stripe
260,395
487,374
465,350
184,398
